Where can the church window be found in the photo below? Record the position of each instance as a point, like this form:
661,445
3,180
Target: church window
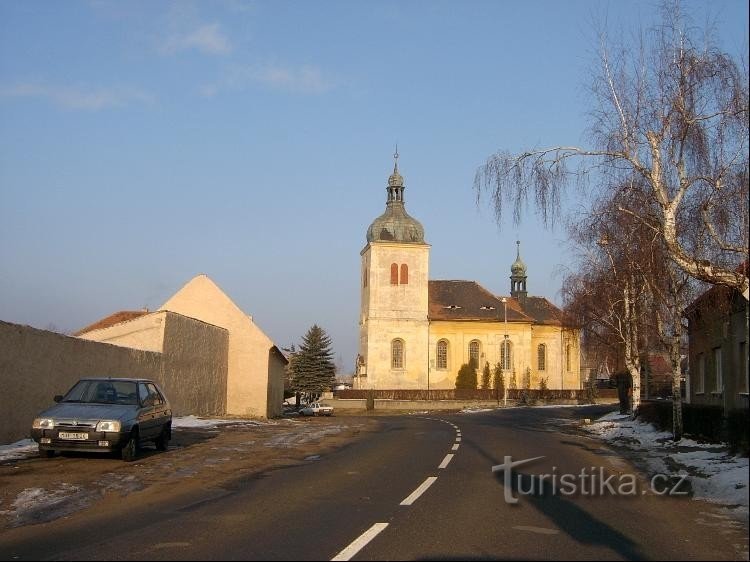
404,280
541,357
394,274
506,352
442,354
364,278
474,352
397,354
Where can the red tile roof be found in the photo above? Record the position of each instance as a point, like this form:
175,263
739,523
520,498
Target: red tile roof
111,320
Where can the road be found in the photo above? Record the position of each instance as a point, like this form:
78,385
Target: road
420,488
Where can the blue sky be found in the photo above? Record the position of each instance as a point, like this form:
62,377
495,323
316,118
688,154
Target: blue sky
143,143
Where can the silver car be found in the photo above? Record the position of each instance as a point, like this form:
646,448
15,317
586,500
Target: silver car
105,415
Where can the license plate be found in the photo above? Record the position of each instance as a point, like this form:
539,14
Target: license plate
73,436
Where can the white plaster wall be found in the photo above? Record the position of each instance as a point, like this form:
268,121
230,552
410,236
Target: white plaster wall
145,333
391,311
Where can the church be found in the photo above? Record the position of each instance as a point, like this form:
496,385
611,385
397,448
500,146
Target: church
415,333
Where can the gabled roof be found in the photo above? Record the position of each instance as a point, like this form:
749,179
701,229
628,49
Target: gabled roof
714,299
542,311
468,300
111,320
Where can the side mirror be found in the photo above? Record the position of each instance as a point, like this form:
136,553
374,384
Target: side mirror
58,398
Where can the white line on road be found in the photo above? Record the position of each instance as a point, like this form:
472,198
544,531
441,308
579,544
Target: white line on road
360,542
455,447
446,460
458,439
411,498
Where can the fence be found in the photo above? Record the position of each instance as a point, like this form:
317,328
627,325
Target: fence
461,394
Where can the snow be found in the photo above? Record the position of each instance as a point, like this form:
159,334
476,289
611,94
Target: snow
18,450
28,447
715,474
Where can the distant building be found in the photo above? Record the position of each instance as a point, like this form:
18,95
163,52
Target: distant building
718,333
416,333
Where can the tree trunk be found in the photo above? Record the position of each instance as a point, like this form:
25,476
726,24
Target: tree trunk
674,356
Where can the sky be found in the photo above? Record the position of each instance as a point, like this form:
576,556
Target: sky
144,143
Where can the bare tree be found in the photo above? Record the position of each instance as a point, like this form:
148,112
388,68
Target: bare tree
671,116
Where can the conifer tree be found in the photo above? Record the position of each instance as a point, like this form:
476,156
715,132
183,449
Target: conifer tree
486,375
467,376
312,367
498,381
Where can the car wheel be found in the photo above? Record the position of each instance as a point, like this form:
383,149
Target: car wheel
162,442
46,453
130,450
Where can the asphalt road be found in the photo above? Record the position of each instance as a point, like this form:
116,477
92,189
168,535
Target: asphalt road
397,494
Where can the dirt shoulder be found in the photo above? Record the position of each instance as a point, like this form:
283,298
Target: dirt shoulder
35,490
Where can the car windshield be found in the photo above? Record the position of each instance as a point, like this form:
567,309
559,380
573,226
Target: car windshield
103,392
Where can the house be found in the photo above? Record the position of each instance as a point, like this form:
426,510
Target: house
718,334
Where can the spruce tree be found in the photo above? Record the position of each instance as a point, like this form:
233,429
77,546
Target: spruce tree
313,369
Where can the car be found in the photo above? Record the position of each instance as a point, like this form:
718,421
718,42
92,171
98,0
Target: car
316,409
105,415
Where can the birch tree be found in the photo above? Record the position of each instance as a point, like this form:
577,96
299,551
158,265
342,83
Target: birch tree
669,112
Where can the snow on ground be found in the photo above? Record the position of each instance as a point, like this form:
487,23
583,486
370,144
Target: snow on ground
212,423
18,450
715,474
28,447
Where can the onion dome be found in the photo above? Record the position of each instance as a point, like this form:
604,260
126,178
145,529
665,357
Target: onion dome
518,268
395,225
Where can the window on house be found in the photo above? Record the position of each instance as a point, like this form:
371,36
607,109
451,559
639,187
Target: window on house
567,357
541,357
442,354
404,280
700,374
394,274
506,351
474,353
718,371
397,354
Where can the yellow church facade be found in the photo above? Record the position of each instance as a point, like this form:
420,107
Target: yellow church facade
416,333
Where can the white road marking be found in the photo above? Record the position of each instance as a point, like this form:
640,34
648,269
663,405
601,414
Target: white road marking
446,460
539,530
360,542
411,498
458,439
455,447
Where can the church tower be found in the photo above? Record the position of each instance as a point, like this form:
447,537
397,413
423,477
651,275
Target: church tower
393,324
518,277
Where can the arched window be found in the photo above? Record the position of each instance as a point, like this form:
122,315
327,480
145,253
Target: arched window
364,278
474,352
567,357
394,274
506,355
442,354
541,357
404,280
397,354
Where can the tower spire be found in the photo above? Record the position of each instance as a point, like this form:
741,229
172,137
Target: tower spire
518,276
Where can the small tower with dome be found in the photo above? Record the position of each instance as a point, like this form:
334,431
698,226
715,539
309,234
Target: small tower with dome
518,276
